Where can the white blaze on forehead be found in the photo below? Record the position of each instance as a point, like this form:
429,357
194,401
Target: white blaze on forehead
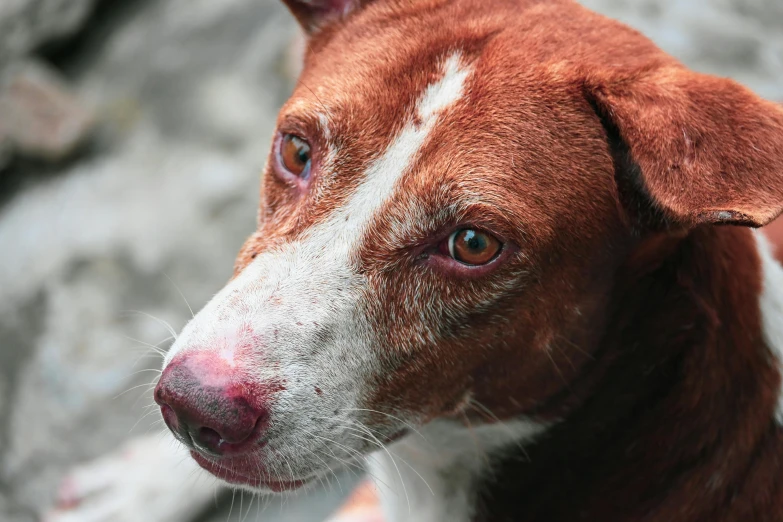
326,134
771,305
383,175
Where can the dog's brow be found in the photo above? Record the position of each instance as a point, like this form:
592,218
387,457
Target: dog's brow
383,174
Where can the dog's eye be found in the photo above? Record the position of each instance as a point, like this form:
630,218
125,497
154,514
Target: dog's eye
295,155
473,247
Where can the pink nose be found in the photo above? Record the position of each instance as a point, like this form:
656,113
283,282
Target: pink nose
208,408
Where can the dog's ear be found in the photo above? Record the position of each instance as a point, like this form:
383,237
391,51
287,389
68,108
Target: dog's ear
697,149
315,14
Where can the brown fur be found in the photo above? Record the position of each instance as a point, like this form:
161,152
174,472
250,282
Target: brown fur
633,322
679,426
774,231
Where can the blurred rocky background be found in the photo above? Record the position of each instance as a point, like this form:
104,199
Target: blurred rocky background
132,135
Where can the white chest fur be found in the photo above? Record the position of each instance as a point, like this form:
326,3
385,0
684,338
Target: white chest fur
771,306
432,476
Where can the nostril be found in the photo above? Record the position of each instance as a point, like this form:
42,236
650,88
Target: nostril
217,442
161,391
169,417
208,438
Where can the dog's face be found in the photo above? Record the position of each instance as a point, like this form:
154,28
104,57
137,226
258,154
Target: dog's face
439,224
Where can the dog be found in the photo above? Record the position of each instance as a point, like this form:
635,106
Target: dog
505,253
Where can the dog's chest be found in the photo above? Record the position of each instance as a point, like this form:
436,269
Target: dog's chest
434,475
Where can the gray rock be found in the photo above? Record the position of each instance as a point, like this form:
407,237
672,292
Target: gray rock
5,144
94,259
187,93
41,117
26,24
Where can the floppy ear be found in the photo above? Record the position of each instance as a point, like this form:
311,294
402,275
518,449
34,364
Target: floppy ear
314,14
699,149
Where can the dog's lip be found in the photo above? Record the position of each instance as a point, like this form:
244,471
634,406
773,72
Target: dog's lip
249,473
228,471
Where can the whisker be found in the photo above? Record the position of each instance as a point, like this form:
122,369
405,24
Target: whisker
355,462
249,507
156,319
328,467
355,455
155,425
382,445
258,508
575,346
151,412
363,469
480,407
147,384
349,450
557,368
143,394
402,481
474,437
406,424
230,509
359,456
180,293
564,353
321,477
157,349
143,371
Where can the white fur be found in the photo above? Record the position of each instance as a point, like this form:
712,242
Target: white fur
305,301
326,133
771,304
432,476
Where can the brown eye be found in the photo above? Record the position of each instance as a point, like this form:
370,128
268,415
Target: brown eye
295,155
472,247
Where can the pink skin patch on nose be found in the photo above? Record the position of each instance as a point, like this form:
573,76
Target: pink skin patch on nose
208,397
227,368
215,371
223,361
212,369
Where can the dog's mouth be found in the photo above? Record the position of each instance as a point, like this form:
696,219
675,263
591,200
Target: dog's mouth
245,472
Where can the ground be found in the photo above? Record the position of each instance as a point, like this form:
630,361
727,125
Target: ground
101,252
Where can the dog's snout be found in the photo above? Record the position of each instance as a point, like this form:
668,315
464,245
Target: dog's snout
208,407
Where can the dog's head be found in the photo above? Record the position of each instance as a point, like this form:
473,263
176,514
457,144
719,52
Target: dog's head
451,188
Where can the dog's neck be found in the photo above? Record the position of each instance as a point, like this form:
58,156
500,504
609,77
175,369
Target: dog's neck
435,473
684,389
